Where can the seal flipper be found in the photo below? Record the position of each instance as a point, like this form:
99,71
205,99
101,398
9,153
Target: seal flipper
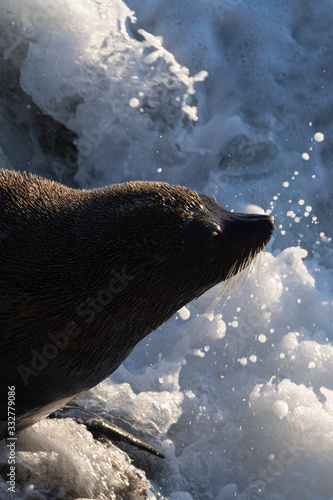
99,427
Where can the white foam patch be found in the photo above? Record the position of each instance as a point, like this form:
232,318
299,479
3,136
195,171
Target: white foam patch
157,410
61,459
110,87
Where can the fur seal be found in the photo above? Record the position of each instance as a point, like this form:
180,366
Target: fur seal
86,274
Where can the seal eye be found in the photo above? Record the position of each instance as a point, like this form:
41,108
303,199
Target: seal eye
212,241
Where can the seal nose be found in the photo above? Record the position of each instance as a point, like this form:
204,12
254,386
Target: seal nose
265,222
248,228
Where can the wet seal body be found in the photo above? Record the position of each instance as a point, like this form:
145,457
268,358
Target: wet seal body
85,275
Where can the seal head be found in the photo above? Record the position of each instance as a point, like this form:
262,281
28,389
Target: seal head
85,275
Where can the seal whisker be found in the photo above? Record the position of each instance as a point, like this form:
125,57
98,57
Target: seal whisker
258,262
244,270
245,278
228,283
240,278
253,265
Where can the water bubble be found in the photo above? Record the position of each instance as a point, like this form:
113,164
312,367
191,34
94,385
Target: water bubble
134,102
184,313
319,137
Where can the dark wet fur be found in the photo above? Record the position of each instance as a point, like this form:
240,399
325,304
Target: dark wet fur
102,269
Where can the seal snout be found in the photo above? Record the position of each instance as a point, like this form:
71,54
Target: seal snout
265,223
248,229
